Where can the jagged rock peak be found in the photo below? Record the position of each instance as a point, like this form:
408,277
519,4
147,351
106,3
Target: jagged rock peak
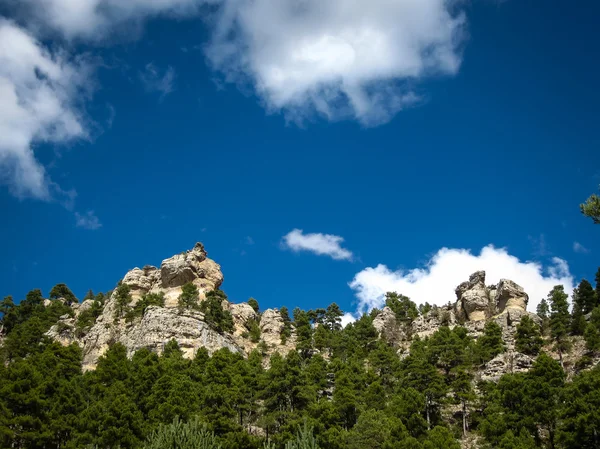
157,325
476,302
189,266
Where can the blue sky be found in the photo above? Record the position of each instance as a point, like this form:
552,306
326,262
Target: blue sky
169,133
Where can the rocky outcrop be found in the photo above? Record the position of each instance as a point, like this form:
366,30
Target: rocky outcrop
158,325
472,298
387,326
476,302
271,328
191,266
505,363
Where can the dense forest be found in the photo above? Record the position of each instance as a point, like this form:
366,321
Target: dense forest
343,387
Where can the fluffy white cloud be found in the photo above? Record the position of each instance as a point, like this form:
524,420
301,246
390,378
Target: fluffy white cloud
338,58
95,19
579,248
435,283
320,244
39,90
89,220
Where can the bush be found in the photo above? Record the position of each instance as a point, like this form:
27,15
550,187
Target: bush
178,435
189,297
214,314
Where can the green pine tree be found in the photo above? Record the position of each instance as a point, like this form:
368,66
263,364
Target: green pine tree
560,319
528,339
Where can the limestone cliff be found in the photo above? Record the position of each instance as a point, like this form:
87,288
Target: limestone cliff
159,325
505,303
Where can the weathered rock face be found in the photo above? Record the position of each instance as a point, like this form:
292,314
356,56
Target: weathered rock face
505,363
191,266
159,325
473,297
271,327
476,302
510,295
387,326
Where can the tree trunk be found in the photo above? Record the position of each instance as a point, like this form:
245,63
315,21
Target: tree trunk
427,412
464,413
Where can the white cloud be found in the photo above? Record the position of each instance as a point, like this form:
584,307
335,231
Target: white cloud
89,220
435,283
97,19
348,318
157,80
39,91
579,248
320,244
338,58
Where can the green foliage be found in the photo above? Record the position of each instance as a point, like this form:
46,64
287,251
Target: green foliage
189,297
333,317
404,309
253,327
62,291
528,339
304,331
149,299
26,323
123,299
254,304
490,344
345,388
591,208
560,318
87,318
592,337
584,297
580,415
424,309
178,435
214,314
304,439
286,332
89,295
543,311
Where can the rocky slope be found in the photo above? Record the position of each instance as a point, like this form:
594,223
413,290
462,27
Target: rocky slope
159,325
505,303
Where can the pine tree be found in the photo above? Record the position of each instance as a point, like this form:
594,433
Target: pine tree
591,208
592,337
560,319
62,291
304,331
333,317
528,339
463,393
254,304
214,314
404,309
490,344
123,296
543,311
585,297
188,299
286,332
178,435
304,439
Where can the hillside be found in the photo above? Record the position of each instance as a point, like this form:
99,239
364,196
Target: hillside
166,344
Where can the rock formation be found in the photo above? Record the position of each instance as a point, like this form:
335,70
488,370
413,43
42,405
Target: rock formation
158,325
476,303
